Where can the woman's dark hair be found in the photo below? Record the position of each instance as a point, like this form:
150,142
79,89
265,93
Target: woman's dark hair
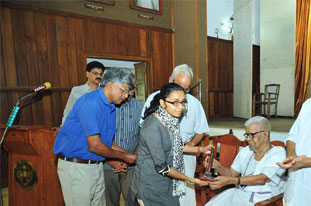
165,91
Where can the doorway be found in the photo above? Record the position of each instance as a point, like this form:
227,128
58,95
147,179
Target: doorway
139,68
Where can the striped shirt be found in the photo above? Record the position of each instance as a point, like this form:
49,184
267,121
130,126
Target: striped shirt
127,126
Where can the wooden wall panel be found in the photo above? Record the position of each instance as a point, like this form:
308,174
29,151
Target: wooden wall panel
40,46
32,64
220,77
256,68
9,62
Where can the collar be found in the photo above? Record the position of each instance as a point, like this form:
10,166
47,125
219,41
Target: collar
103,97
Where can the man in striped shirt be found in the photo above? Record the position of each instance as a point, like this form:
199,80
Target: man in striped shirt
118,175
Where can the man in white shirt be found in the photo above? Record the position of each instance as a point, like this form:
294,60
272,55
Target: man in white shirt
94,73
193,126
298,149
254,170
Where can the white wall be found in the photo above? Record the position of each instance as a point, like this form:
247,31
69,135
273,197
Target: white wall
277,50
218,12
113,63
243,58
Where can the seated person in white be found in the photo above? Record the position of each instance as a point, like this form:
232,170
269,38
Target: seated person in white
254,170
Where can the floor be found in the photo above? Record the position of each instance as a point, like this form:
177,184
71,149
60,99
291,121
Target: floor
280,126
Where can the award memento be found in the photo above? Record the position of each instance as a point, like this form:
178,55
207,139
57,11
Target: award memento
208,175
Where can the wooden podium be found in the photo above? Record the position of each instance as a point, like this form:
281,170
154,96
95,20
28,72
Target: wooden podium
32,166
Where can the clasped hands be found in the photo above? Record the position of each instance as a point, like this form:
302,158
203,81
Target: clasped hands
119,166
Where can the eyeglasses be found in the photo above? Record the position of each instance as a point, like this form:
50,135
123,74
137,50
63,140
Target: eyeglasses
177,103
125,91
251,135
96,73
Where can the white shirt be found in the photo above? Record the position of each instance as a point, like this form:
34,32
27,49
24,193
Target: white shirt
75,94
298,187
245,164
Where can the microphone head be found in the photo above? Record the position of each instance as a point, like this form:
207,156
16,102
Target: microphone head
47,85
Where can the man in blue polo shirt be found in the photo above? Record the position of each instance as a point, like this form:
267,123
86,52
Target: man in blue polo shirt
118,175
85,140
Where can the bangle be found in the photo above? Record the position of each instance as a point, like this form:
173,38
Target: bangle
198,152
239,180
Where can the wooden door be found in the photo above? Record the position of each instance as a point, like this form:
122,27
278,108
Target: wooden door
141,81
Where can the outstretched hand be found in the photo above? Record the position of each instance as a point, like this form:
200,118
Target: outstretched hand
207,149
200,182
295,162
219,182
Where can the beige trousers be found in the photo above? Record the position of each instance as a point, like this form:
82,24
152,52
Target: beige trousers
82,184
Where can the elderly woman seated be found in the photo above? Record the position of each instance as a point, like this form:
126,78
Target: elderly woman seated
254,170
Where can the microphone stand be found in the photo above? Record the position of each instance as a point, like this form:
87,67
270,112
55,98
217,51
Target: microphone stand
9,125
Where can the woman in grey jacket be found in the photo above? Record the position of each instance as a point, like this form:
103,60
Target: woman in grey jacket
158,177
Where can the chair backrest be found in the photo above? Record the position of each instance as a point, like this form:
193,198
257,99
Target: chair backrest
229,146
272,92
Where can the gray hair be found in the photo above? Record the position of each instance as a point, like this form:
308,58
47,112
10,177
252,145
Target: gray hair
263,122
117,76
184,68
131,74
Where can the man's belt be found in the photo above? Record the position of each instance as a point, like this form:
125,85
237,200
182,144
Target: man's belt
77,160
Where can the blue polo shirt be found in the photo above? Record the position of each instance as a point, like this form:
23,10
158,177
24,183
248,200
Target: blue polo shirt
91,114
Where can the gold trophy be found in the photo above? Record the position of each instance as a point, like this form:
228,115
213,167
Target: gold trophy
208,175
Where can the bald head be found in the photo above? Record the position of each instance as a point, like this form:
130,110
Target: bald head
182,75
261,122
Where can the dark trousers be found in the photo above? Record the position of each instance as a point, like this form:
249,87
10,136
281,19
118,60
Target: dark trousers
117,183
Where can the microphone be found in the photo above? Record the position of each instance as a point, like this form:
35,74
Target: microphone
41,87
35,91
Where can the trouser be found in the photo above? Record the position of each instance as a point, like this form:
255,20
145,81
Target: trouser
189,199
82,184
117,183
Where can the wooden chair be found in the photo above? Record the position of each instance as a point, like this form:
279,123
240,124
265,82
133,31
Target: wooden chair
228,146
268,98
273,201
